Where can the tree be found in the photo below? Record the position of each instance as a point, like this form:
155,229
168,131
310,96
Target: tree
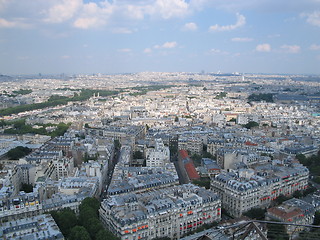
176,119
281,199
18,152
90,202
27,188
137,155
93,226
268,97
79,233
86,213
277,232
233,120
251,124
297,194
202,182
255,213
316,218
105,235
66,219
117,145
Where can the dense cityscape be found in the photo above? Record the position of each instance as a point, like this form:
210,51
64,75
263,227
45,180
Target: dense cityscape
160,155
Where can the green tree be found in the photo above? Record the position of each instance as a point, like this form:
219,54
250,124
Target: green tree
202,182
86,213
105,235
176,119
117,145
316,218
255,213
27,188
277,232
137,155
251,124
312,234
281,198
79,233
297,194
90,202
93,226
268,97
18,152
66,219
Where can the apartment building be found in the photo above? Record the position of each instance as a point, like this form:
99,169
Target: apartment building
243,189
294,211
192,144
158,155
170,212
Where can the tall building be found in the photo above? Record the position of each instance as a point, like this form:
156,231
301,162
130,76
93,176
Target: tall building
157,156
243,189
171,212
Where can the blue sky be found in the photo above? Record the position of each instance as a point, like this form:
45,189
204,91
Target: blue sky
121,36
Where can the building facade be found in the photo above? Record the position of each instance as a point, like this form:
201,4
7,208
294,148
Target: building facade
170,212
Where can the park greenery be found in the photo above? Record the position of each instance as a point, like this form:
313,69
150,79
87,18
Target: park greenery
277,232
20,127
221,95
18,152
27,188
255,213
138,155
86,225
197,157
267,97
54,100
142,90
22,91
312,163
202,182
251,124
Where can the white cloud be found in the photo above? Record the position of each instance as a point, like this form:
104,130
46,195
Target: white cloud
190,26
314,47
6,24
147,50
125,50
65,57
244,39
274,35
22,58
122,31
265,47
170,8
3,4
63,11
93,15
241,21
166,45
13,24
312,18
291,48
88,22
217,51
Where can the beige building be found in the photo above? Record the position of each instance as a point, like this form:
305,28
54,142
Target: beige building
243,189
171,212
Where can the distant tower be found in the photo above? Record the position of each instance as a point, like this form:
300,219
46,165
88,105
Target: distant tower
242,77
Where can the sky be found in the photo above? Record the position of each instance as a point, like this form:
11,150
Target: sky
127,36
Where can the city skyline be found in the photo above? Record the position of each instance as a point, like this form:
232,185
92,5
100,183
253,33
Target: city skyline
86,36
